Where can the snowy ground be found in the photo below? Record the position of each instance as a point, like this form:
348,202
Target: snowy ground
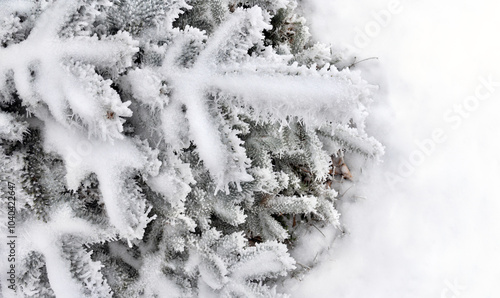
430,224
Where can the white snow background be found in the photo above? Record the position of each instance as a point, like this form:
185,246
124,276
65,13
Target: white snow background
435,233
